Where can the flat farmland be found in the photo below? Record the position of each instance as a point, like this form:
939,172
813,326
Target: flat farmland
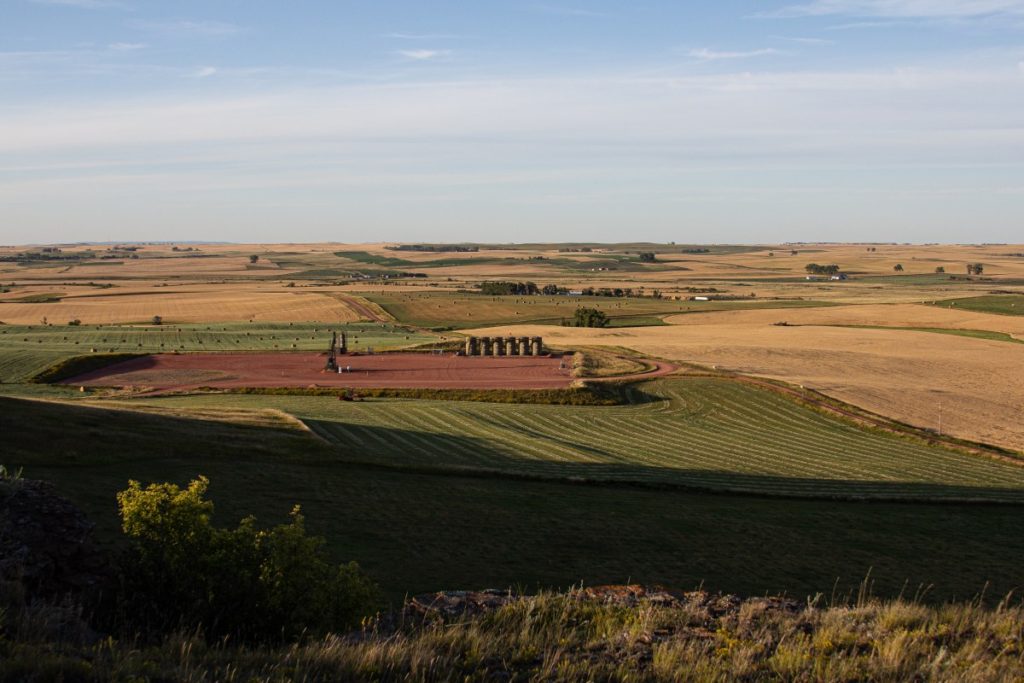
460,310
704,433
220,303
896,316
26,350
999,304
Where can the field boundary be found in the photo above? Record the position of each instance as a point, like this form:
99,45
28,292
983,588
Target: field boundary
864,418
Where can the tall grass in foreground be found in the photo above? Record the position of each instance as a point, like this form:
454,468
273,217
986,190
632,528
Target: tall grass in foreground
570,638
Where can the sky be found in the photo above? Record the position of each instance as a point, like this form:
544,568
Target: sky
757,121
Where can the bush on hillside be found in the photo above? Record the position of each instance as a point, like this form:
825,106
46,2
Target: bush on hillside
249,583
589,317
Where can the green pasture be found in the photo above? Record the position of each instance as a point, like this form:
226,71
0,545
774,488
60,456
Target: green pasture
703,433
27,349
974,334
417,532
466,310
1002,304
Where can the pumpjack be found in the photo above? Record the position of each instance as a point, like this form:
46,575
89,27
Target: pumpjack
332,354
335,349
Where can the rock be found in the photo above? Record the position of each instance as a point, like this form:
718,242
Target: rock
47,543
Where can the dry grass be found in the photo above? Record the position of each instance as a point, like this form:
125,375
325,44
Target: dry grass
571,638
197,304
896,315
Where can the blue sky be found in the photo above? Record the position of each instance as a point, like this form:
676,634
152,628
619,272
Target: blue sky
728,121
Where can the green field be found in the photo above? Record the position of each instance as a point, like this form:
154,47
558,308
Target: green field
26,350
975,334
703,433
453,310
1002,304
418,532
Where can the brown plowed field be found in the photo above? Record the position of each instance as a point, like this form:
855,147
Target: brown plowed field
165,372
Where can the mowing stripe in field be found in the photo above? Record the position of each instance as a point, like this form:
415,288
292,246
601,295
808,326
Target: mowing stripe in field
706,432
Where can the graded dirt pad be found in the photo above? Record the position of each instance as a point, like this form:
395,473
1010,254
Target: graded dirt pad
165,372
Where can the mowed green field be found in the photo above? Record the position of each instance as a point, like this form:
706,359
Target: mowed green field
417,532
1003,304
461,310
26,350
705,433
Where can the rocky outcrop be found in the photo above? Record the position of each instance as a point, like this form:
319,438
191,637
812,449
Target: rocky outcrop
47,543
458,604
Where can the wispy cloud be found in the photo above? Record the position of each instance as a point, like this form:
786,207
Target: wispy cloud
127,47
707,55
424,55
205,72
906,9
197,28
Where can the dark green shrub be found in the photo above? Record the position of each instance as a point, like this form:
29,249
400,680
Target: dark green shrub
250,583
589,317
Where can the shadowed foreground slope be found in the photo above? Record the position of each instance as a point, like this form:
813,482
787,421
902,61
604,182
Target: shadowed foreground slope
415,532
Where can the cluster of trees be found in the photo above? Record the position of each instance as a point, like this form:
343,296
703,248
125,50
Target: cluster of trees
509,288
816,269
975,268
648,257
182,572
588,317
436,248
497,288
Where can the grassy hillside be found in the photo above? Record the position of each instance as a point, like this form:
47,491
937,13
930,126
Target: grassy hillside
698,432
460,310
1003,304
420,532
26,350
608,634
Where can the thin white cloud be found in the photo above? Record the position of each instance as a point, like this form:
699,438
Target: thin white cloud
127,47
205,72
904,9
707,55
197,28
424,55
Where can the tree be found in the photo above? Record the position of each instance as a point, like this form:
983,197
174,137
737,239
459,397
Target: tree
180,571
647,257
254,258
158,320
975,269
898,267
940,269
589,317
816,269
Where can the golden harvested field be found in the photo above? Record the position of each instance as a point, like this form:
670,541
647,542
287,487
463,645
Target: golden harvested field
973,385
872,315
221,304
